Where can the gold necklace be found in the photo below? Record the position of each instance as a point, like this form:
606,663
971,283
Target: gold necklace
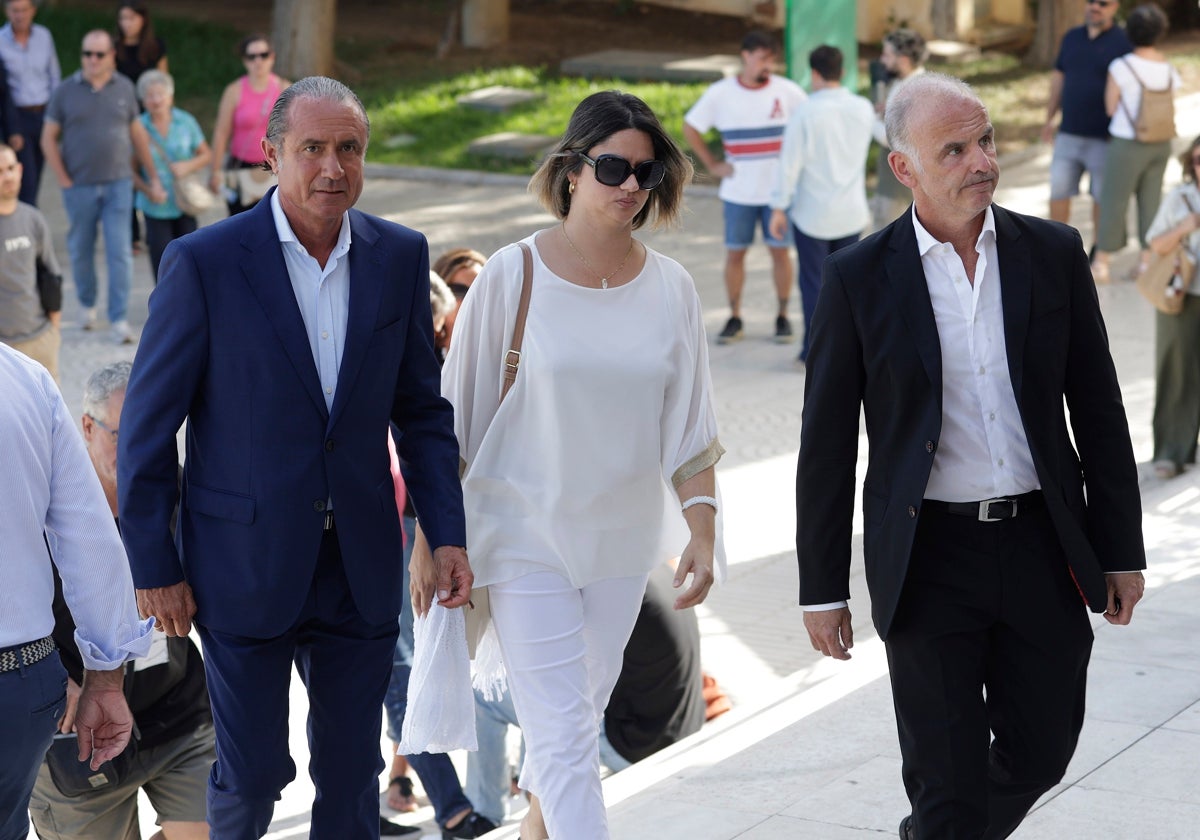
583,259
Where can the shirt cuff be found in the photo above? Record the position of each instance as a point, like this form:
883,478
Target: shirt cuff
832,605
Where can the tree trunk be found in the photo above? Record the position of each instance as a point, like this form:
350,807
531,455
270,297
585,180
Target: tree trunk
302,33
484,23
1054,18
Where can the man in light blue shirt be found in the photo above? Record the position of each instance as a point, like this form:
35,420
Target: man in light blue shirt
49,490
28,53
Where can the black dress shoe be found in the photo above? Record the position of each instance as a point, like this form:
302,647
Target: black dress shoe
472,825
906,829
391,829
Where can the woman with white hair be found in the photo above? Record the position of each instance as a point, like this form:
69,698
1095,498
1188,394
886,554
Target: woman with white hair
178,147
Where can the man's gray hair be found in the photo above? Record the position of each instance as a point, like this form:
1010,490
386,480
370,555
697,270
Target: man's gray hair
320,88
101,385
927,87
441,299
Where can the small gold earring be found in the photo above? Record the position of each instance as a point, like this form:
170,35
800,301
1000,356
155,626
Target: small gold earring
571,187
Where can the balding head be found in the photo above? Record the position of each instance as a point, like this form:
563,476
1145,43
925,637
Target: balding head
922,95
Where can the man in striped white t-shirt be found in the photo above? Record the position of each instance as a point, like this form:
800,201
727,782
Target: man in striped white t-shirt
750,111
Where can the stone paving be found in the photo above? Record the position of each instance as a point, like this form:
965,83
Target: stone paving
754,642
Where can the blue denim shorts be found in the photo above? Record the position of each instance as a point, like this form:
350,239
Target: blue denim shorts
740,220
1074,155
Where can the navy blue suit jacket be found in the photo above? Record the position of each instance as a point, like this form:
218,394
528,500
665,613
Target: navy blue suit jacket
225,347
875,347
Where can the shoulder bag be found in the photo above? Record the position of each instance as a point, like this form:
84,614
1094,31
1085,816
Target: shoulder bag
73,777
480,612
192,197
1155,120
1167,278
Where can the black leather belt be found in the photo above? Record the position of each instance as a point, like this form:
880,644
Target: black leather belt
14,657
991,510
31,109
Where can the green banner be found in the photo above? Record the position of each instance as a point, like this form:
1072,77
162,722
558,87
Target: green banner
812,23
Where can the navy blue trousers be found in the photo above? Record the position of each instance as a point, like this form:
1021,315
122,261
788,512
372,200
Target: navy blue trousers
32,699
345,664
810,254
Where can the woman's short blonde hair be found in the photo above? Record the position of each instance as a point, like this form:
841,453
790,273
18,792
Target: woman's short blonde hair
597,118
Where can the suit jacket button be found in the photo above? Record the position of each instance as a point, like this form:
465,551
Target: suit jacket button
928,446
319,506
329,445
912,512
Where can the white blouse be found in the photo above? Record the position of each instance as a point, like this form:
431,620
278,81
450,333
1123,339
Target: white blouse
1178,204
612,404
1156,75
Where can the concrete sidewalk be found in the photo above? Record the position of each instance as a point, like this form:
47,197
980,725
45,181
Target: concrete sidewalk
810,749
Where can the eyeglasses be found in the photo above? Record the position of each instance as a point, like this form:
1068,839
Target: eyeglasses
613,171
92,54
259,56
113,432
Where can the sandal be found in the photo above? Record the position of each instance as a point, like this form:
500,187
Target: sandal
402,798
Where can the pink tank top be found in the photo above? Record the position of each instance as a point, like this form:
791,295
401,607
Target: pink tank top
250,120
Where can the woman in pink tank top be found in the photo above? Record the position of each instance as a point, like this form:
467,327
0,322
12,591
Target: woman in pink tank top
242,120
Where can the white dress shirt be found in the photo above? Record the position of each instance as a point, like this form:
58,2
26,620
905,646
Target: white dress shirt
48,486
982,452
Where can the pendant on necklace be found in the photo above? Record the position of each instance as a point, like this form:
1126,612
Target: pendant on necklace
603,282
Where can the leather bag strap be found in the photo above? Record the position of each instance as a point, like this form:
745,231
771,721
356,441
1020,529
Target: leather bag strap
512,359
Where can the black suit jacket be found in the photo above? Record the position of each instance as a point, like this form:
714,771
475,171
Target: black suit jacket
875,345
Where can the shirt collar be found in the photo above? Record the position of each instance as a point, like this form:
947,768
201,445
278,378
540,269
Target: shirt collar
926,241
283,228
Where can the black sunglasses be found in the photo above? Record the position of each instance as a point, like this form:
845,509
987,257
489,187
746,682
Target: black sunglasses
613,170
260,55
1103,4
97,54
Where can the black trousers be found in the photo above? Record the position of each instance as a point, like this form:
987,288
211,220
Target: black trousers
988,659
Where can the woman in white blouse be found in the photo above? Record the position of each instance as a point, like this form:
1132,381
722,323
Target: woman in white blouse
1176,421
1132,167
574,484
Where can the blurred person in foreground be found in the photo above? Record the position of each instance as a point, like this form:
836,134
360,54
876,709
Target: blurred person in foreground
964,332
49,490
567,527
166,691
288,337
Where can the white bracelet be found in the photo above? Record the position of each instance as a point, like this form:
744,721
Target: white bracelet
701,500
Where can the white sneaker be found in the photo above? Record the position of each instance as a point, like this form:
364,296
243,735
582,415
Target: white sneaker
90,321
121,332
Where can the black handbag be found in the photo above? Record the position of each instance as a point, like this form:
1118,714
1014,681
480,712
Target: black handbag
73,777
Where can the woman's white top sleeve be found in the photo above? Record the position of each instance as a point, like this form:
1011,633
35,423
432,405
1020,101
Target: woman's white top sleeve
612,406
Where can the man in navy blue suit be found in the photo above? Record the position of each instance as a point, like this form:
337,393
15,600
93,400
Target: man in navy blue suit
288,338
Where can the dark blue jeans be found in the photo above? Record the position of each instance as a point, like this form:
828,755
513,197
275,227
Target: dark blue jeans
32,699
810,254
436,771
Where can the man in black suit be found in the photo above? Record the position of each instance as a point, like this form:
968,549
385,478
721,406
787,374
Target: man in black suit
961,329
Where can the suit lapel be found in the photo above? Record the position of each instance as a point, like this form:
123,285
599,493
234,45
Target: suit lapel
911,298
1016,290
366,287
266,273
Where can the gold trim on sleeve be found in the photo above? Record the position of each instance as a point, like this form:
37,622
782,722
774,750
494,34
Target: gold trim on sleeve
698,463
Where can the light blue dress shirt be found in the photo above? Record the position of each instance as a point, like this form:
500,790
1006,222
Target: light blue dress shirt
323,295
48,485
33,71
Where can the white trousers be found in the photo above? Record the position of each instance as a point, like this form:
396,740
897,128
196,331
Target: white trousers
563,649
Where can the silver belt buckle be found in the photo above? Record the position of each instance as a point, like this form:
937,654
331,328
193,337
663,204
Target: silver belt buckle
985,509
